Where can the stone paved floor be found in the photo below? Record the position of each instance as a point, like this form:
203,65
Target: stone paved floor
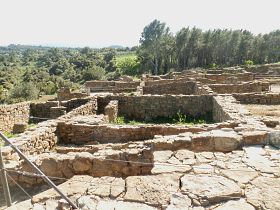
247,179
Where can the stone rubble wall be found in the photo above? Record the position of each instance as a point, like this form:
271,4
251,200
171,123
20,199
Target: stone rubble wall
43,137
89,108
173,87
34,140
271,69
225,107
70,133
219,114
65,94
68,165
12,114
73,163
239,88
258,98
111,110
149,107
223,78
43,109
111,86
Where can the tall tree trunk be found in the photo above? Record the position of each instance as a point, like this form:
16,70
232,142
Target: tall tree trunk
156,66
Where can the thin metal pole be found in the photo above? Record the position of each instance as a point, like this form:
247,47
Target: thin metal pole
38,171
4,182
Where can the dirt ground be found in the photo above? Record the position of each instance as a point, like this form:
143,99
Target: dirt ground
264,110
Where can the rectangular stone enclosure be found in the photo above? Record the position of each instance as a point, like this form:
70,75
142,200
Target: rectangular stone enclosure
151,107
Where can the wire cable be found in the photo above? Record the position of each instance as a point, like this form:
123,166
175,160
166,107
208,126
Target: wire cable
19,186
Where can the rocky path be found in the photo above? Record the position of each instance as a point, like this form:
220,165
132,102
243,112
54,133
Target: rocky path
246,179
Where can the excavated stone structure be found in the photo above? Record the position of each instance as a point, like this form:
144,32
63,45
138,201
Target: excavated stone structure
232,161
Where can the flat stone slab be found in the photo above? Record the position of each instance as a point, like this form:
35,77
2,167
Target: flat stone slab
213,189
152,189
264,193
235,205
240,175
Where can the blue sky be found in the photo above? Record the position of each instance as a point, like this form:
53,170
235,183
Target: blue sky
107,22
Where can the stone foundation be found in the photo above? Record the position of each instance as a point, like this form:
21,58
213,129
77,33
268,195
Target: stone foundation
47,110
111,110
12,114
258,98
174,87
150,107
65,94
111,86
239,88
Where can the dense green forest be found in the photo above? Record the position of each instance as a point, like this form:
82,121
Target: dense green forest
160,50
29,71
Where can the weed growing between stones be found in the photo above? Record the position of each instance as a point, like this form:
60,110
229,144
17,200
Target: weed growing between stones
179,119
11,135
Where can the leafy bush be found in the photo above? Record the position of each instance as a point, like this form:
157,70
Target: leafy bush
248,63
128,65
94,73
23,92
213,66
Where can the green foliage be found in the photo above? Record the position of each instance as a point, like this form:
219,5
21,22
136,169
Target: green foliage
179,118
128,65
189,48
23,92
10,135
94,73
213,66
248,63
120,120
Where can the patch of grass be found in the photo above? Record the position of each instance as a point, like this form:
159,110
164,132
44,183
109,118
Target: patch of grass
178,119
31,125
10,135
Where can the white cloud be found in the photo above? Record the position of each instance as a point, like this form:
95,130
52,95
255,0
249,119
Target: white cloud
99,23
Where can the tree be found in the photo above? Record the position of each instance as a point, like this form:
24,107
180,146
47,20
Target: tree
94,73
128,65
25,91
151,43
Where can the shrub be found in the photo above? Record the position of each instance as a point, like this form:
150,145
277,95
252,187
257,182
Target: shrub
23,92
128,65
94,73
248,63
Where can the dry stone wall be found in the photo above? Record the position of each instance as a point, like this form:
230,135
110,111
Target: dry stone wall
71,133
11,114
173,87
150,107
65,94
111,86
239,88
34,140
89,108
223,78
258,98
44,109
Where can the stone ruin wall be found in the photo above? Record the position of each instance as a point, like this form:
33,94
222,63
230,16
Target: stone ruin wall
44,109
223,78
90,108
11,114
44,137
112,86
272,69
65,94
71,133
258,98
149,107
240,88
173,87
